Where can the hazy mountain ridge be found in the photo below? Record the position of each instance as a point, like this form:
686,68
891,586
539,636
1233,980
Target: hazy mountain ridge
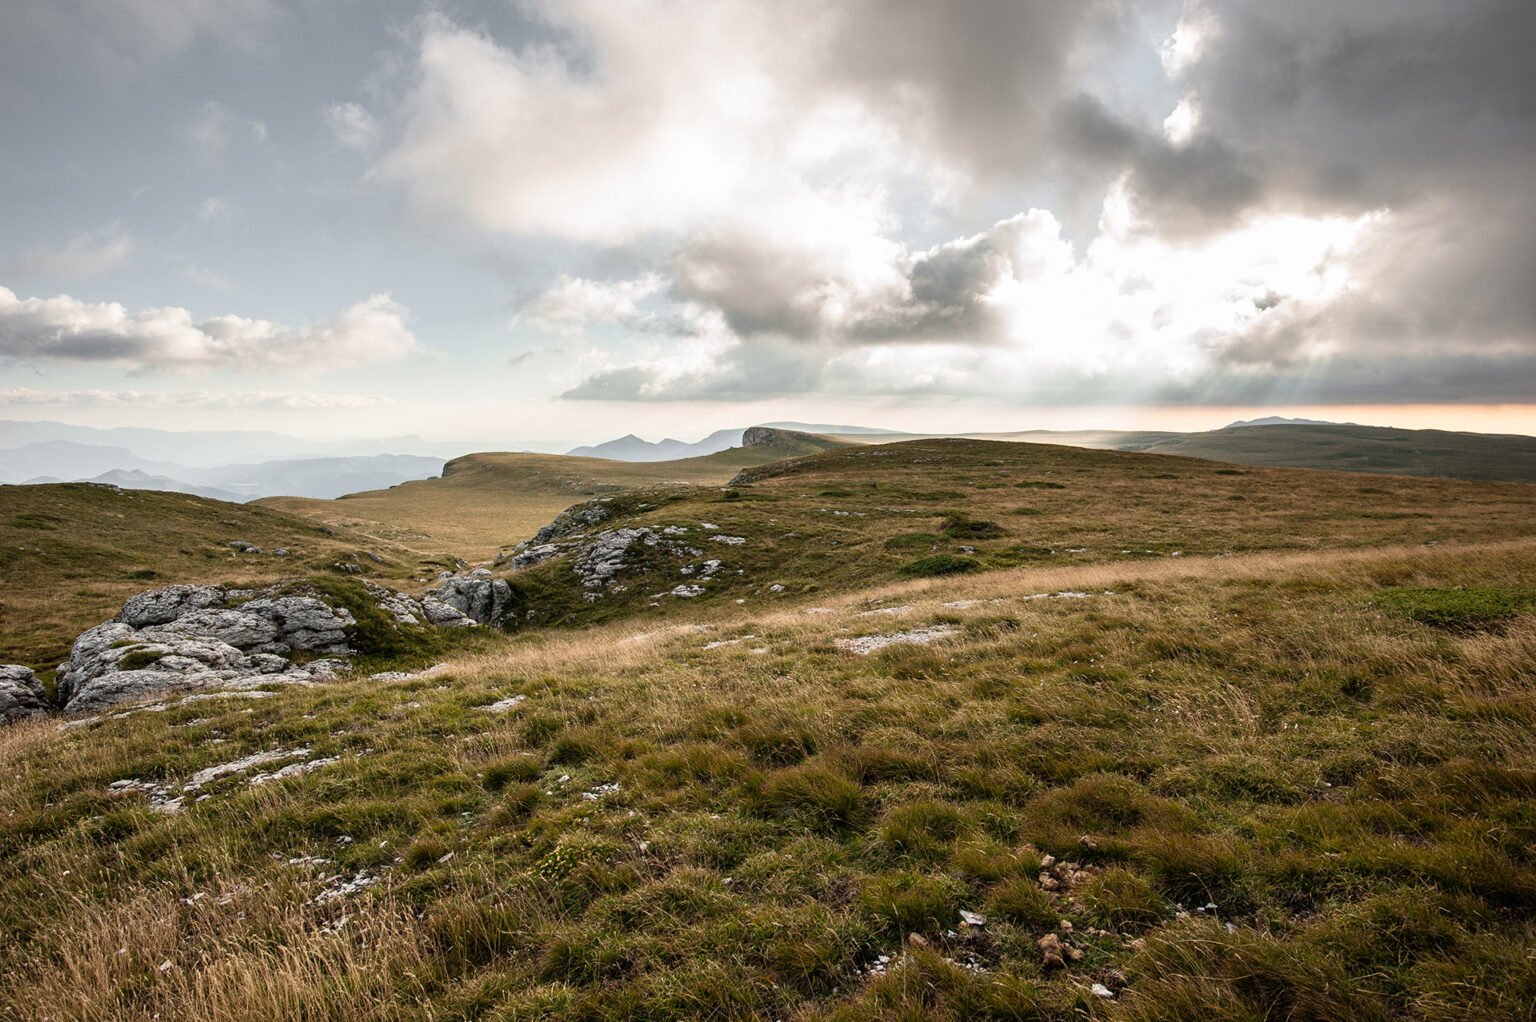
633,448
68,461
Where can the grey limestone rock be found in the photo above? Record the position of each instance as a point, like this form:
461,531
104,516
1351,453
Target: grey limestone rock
159,606
21,694
479,598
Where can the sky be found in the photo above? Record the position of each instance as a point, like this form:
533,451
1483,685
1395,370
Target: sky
536,223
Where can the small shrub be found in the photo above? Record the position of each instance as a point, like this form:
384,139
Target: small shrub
424,852
1121,900
518,801
572,748
513,768
940,564
813,797
776,743
922,829
909,902
1020,901
958,525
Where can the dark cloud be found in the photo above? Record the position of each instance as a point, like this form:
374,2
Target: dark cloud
977,80
766,290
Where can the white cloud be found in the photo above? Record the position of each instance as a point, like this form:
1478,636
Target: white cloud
294,401
1014,313
353,126
86,255
572,305
666,118
65,329
216,130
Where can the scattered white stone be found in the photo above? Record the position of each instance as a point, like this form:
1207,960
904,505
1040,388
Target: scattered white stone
710,526
972,918
687,592
599,791
1064,595
255,759
867,644
503,705
341,887
776,588
427,672
728,540
887,610
1100,990
294,770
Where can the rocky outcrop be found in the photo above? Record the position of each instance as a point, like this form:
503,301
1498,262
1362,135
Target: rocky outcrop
159,606
185,637
600,561
473,599
21,694
574,520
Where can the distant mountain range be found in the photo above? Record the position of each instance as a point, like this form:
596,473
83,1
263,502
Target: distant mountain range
632,448
1280,420
54,461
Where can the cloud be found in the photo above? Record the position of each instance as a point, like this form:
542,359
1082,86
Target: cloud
600,132
524,357
572,305
293,401
65,329
125,38
215,131
1420,111
353,126
87,255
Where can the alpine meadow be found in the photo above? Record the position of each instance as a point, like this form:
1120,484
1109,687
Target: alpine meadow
1102,588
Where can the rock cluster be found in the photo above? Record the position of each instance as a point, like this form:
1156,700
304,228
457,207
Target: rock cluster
192,637
465,600
21,694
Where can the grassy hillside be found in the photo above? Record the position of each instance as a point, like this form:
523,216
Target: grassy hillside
1259,787
1417,452
484,502
70,553
1343,447
870,515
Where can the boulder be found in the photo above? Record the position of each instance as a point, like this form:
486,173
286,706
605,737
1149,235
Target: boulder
303,622
239,628
404,609
159,606
205,637
477,597
21,694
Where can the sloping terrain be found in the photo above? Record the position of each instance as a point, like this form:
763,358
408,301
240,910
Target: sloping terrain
869,515
1338,446
484,502
1265,786
1377,449
70,553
